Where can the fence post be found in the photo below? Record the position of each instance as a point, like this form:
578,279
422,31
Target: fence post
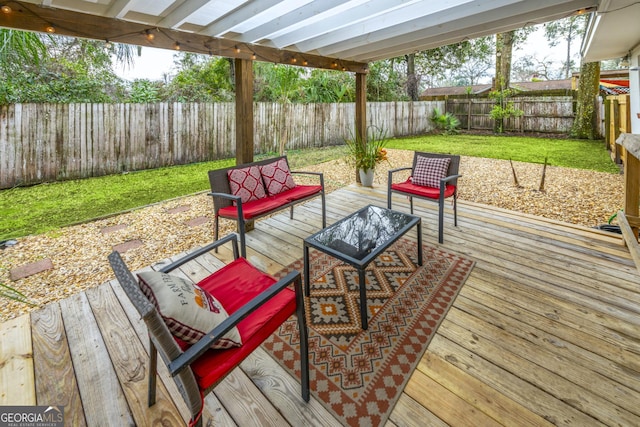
607,123
616,130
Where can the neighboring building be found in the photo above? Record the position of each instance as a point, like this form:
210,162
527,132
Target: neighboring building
612,82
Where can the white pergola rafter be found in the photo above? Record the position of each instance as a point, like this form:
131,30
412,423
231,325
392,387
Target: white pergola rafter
359,31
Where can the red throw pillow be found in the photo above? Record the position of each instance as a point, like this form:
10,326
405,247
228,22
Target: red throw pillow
246,183
277,177
430,170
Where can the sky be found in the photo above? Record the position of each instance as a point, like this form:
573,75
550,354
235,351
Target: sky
154,63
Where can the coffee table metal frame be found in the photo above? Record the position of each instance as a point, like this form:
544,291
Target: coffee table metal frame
360,258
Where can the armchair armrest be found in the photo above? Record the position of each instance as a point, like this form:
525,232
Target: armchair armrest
236,199
233,238
450,178
393,171
196,350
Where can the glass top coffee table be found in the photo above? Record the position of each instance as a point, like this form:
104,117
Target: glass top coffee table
358,239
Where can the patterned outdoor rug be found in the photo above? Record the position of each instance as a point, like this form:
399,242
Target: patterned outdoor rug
359,375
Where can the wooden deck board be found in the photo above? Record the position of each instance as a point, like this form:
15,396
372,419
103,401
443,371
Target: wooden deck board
17,379
52,362
546,331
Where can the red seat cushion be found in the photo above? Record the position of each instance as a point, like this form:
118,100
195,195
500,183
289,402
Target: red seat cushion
258,207
302,191
234,285
420,190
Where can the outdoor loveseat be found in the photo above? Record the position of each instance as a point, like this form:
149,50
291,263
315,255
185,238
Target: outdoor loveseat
249,191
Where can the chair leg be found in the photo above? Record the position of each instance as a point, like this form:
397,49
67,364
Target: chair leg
441,217
411,204
455,210
304,340
291,213
389,199
441,223
241,232
216,225
153,366
324,212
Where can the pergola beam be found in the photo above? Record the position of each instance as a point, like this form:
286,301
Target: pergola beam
30,17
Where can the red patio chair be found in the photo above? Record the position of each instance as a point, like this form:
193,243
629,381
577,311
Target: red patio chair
257,304
437,182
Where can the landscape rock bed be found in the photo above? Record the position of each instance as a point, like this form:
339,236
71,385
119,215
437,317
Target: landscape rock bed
79,253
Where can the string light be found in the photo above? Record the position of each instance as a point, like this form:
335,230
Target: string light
176,45
149,35
305,62
107,44
294,60
237,49
334,64
50,29
5,9
253,55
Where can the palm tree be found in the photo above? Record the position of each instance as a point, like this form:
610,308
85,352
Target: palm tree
21,47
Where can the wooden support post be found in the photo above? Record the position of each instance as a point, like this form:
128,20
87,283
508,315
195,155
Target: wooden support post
631,188
244,111
361,105
361,110
630,143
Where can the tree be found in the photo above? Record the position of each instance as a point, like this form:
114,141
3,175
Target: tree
504,50
329,86
384,82
21,48
413,91
567,29
200,78
145,91
585,125
505,43
49,68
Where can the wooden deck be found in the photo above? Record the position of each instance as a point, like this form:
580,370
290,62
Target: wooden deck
545,331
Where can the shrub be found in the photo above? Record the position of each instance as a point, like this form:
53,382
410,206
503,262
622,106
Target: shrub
447,122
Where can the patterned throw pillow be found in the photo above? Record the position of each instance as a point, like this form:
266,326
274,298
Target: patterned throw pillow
430,170
277,177
246,183
189,311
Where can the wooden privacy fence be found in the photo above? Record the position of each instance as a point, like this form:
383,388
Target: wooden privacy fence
49,142
549,114
617,120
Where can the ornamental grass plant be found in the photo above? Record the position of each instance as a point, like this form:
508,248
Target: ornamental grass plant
365,156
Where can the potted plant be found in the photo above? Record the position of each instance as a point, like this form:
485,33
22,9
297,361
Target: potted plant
365,156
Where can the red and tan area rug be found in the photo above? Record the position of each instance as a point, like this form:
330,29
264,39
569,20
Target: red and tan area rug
359,375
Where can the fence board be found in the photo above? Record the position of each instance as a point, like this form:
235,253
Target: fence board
553,114
48,142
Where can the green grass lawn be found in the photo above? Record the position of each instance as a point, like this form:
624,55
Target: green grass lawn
45,207
570,153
